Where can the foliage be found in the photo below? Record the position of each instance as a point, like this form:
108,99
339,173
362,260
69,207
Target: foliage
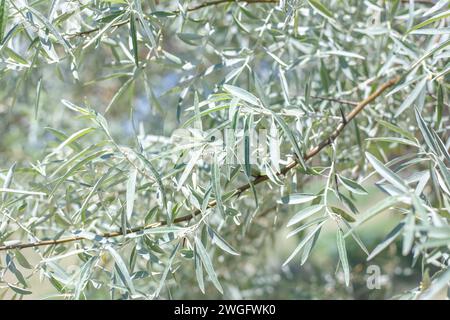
151,147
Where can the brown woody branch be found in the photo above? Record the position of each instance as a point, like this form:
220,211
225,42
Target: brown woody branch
217,2
208,4
313,152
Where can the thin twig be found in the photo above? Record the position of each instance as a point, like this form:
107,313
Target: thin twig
313,152
204,5
175,12
217,2
350,103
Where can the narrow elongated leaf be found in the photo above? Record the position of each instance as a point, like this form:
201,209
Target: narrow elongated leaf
134,40
303,242
190,165
437,285
308,248
435,18
438,6
19,290
8,181
379,207
207,263
167,269
412,96
297,198
76,166
74,137
52,29
340,241
242,94
102,31
397,129
119,93
395,140
145,24
429,53
91,194
304,214
22,260
221,243
355,237
2,18
439,105
30,193
12,267
408,234
352,185
426,133
320,8
38,97
387,241
122,270
274,147
386,173
343,214
83,277
157,177
216,186
306,226
131,191
287,131
199,272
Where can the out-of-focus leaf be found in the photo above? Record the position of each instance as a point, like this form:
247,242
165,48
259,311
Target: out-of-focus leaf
436,285
31,193
320,8
340,241
74,137
19,290
408,234
435,18
387,241
397,129
8,180
3,17
216,185
379,207
38,97
297,198
134,40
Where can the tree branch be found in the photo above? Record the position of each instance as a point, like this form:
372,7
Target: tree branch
350,103
313,152
208,4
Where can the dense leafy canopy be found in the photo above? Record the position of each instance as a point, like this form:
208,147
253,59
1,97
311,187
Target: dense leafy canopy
159,148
